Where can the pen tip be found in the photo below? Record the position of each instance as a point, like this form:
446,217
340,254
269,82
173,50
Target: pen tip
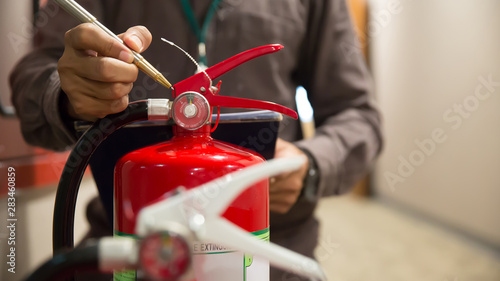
163,81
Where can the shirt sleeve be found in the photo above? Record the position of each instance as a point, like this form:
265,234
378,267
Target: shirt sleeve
36,94
34,81
348,136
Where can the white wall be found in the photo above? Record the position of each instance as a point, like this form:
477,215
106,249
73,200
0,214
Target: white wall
33,234
430,58
15,34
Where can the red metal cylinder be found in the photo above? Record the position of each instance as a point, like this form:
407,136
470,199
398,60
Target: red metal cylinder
189,159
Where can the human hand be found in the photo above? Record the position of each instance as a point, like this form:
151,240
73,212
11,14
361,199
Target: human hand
96,71
284,189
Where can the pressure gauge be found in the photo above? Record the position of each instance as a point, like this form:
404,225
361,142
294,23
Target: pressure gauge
191,110
165,256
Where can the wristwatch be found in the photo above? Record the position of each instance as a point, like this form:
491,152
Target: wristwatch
311,180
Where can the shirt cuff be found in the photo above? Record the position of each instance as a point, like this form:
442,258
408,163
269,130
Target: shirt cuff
311,180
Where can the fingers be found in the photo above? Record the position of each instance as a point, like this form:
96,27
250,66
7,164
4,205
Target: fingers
138,38
103,69
284,192
89,100
97,109
89,37
96,89
285,189
96,70
89,108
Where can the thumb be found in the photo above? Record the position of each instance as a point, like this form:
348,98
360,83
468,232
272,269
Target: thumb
138,38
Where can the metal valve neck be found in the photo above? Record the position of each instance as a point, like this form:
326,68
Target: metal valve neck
203,131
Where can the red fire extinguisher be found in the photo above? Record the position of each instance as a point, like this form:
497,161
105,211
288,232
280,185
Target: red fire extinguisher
169,229
192,158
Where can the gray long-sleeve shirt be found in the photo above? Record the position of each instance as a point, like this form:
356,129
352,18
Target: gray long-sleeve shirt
321,53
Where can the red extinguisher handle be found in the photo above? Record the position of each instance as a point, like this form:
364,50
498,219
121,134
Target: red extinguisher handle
200,83
234,61
248,103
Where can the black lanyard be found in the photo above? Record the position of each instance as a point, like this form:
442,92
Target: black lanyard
200,33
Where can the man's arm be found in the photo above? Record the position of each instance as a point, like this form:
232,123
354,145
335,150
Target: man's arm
36,96
35,84
348,134
80,74
347,138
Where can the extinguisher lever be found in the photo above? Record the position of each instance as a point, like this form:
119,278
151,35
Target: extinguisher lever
248,103
228,188
202,83
200,209
221,231
200,80
232,62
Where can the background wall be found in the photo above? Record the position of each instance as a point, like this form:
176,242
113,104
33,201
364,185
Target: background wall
34,207
34,212
436,65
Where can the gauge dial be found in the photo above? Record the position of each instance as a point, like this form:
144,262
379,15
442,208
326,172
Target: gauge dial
165,256
191,110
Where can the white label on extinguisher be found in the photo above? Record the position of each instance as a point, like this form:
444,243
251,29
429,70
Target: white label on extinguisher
213,262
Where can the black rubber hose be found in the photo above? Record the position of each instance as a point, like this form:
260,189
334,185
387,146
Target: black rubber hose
64,265
67,190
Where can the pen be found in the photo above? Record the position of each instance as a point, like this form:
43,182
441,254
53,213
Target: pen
84,16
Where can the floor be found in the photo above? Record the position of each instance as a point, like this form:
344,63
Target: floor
365,240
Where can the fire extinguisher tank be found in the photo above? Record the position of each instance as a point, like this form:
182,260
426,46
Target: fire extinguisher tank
189,159
192,158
